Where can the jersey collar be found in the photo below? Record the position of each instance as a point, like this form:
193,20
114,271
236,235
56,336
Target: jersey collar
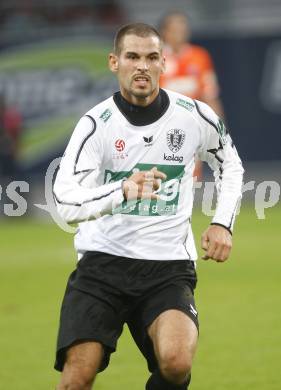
143,116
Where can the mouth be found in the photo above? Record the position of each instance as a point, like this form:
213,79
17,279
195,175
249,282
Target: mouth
141,80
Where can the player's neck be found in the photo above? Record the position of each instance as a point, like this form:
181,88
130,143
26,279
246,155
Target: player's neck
142,116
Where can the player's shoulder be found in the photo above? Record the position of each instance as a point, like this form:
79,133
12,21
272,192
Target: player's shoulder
205,112
96,119
102,111
179,100
192,105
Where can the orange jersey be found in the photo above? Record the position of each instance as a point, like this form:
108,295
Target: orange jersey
191,72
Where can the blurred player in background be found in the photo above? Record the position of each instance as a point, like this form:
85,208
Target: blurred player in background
126,178
10,131
189,68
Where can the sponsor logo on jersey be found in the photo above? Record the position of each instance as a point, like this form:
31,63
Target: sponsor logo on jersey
175,139
172,157
106,115
119,145
148,141
169,190
185,104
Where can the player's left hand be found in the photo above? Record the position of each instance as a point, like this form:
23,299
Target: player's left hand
217,242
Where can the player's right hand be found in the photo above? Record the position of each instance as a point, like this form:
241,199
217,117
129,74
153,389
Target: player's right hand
143,184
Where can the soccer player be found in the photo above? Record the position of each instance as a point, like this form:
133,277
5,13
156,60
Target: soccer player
189,67
126,178
10,130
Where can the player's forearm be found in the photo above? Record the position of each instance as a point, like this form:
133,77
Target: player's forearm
77,204
229,188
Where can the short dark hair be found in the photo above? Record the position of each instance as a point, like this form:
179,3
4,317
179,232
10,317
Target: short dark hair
139,29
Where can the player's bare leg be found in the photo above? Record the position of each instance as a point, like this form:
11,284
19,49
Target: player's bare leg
174,336
82,363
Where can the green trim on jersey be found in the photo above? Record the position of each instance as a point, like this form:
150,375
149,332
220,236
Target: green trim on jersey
169,191
185,104
222,131
106,115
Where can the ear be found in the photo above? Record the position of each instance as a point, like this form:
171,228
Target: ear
113,62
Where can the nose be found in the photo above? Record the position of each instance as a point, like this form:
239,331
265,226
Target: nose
142,64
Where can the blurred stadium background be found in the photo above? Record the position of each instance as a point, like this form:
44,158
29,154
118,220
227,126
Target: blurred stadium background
53,67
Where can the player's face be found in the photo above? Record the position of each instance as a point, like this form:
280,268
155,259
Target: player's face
138,67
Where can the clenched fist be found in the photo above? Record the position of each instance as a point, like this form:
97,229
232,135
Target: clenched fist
217,242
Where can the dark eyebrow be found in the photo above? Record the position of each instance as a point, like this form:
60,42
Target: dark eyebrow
131,52
149,54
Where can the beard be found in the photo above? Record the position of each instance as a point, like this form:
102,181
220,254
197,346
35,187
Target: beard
140,94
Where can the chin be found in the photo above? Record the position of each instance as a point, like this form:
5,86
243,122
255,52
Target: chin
141,93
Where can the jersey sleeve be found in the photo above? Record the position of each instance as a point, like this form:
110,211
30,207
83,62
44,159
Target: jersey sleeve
76,191
218,150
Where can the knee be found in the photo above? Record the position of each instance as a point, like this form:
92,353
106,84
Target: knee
81,366
75,385
76,378
175,367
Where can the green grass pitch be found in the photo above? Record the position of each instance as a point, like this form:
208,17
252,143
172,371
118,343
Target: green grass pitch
238,302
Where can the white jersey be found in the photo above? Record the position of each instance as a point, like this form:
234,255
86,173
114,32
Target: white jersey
106,148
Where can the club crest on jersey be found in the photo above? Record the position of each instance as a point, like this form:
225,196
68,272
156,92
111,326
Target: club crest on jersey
175,139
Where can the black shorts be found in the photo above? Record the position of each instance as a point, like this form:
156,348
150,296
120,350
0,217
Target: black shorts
106,291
